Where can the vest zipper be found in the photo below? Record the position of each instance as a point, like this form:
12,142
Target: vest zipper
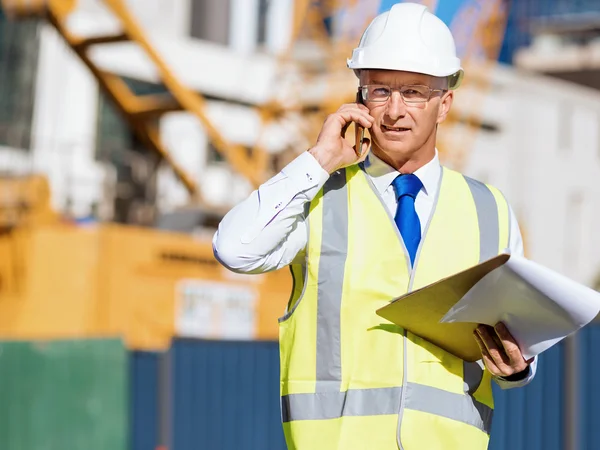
410,285
405,334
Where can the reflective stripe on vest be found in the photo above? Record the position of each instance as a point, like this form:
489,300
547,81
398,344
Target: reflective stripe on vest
375,402
487,216
329,359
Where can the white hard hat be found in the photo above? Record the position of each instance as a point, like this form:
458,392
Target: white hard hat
408,38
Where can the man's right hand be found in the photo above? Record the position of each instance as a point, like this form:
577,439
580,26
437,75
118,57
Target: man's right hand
332,150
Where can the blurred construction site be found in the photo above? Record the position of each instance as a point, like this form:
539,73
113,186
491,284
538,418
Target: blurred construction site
128,128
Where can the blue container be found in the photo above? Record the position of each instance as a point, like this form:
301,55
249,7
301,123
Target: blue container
225,396
589,343
531,418
144,406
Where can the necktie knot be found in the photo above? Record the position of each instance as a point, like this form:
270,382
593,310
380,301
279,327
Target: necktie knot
408,184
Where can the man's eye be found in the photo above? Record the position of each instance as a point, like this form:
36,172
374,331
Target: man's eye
381,91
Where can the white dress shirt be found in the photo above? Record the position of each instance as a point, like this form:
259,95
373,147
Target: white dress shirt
267,231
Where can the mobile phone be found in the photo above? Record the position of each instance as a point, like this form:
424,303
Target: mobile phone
359,135
359,130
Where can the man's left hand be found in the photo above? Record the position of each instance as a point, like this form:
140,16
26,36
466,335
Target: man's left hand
500,351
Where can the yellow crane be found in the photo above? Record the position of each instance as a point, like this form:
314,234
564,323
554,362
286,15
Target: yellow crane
141,112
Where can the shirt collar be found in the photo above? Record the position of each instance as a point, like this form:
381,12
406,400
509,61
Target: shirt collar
383,174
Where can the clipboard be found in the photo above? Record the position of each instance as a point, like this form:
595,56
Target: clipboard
420,311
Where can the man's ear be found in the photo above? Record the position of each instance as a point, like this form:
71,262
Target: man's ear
445,105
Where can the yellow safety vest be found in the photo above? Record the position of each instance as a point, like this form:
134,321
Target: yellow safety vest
349,379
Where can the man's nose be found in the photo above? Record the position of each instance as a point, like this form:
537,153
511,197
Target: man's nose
396,108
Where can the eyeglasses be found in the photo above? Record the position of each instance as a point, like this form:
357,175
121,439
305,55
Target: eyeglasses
411,93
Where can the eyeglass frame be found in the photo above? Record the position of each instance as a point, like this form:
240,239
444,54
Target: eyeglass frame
399,89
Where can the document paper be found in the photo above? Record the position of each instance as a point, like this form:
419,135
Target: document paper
540,307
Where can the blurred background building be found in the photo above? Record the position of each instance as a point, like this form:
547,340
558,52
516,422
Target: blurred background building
129,127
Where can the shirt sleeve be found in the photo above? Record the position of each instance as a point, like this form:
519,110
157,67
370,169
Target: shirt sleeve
516,248
267,231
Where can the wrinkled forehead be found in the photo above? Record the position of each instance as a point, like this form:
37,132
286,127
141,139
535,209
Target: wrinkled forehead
399,78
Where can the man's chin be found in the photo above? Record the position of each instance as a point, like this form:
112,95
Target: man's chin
402,147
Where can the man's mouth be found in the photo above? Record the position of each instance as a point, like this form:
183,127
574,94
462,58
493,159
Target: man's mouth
395,129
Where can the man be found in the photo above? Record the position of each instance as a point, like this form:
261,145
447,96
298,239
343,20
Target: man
359,231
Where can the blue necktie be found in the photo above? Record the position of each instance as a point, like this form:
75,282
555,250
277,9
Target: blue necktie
407,187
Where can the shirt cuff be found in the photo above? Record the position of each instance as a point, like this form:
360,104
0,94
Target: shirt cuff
306,174
518,376
505,383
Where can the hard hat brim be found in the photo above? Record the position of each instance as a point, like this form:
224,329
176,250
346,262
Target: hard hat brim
454,78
